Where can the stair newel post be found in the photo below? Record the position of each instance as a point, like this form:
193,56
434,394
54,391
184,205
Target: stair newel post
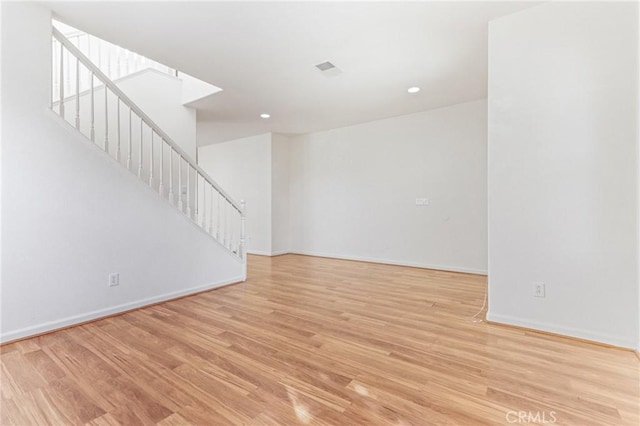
130,141
61,80
243,206
225,237
218,219
204,204
93,118
196,195
106,120
77,93
189,190
151,161
140,149
229,223
161,186
171,175
118,140
211,210
180,182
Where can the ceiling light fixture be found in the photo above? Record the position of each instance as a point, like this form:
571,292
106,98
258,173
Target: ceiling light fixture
414,89
264,115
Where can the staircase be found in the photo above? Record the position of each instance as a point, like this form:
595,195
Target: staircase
86,98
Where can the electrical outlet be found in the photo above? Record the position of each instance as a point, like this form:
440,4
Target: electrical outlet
422,201
538,289
114,280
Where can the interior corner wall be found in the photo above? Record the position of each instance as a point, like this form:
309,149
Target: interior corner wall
563,170
354,190
280,181
638,168
243,168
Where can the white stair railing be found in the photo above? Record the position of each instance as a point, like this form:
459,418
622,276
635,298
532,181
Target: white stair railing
105,115
114,61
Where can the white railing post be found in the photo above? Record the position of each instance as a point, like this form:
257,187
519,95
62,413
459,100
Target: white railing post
211,211
118,140
93,120
218,219
78,93
171,199
189,190
225,235
241,250
106,121
151,161
161,186
140,150
204,206
196,196
53,71
61,80
130,141
180,182
67,73
118,54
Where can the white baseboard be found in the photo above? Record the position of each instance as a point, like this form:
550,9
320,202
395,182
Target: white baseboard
396,262
259,252
607,339
268,253
89,316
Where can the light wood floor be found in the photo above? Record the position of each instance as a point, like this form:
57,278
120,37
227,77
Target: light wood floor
316,341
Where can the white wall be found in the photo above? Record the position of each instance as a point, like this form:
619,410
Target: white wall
243,168
280,179
563,117
353,190
71,215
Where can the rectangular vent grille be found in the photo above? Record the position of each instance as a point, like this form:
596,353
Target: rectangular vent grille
325,66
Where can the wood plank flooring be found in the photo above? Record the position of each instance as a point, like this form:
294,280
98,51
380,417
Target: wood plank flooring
322,342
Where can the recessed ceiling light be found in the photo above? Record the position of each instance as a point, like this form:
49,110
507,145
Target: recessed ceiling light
414,89
264,115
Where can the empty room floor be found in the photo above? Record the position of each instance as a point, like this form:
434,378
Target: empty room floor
316,341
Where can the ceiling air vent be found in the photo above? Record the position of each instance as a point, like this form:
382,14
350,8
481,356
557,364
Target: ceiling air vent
328,69
325,66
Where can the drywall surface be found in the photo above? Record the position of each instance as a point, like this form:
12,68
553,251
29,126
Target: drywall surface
563,117
354,190
71,215
243,168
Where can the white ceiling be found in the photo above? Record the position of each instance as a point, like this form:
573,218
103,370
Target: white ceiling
263,54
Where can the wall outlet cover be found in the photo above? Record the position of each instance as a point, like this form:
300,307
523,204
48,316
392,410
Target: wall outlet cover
114,280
